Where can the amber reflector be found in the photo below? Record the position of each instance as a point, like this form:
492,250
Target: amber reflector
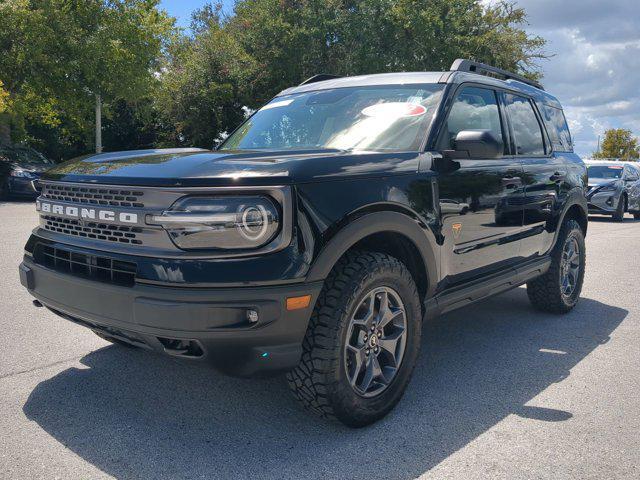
296,303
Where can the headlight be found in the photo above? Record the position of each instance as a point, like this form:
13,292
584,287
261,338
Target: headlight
21,173
612,187
222,222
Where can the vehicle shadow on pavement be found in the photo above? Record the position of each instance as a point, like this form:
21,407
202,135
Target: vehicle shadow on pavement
136,415
17,201
608,219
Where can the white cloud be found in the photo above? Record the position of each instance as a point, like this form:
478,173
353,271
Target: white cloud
595,70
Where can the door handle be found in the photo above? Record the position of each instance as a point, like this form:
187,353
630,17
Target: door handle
558,176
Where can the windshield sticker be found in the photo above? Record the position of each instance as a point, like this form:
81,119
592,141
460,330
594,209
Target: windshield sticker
280,103
614,168
394,109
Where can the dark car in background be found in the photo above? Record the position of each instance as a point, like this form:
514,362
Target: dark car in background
614,188
20,169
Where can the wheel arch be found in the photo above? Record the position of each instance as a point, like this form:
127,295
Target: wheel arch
389,232
575,209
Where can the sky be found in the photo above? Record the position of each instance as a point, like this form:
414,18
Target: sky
595,67
181,9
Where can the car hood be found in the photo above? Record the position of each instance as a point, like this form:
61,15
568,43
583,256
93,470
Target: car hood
599,182
196,167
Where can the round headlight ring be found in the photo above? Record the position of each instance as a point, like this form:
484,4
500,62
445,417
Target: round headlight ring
255,223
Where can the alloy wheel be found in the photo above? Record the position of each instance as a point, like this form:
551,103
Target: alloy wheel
569,266
376,341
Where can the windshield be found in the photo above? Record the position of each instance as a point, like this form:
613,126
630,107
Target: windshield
605,171
355,118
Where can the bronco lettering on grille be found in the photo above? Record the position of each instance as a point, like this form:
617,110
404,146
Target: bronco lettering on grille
86,213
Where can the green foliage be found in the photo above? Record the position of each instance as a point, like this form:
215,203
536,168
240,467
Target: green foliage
56,54
269,45
204,85
4,99
164,88
132,125
618,143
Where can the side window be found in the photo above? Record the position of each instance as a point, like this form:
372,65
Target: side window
631,173
473,109
526,129
557,128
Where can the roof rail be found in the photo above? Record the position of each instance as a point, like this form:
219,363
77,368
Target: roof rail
319,78
463,65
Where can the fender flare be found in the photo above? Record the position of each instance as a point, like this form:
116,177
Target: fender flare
369,224
574,198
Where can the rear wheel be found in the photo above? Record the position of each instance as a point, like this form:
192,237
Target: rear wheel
558,290
362,342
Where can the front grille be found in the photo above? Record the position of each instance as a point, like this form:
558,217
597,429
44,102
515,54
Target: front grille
97,231
101,269
113,197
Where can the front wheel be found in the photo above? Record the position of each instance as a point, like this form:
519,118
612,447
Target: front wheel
618,216
558,290
362,341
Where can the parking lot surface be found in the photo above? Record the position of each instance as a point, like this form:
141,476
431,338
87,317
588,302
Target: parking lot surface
500,391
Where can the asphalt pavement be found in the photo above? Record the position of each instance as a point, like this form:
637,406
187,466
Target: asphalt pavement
500,391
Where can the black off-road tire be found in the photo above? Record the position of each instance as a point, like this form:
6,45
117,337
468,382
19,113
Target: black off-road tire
545,292
618,216
320,381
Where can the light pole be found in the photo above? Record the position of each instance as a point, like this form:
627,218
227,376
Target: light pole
98,123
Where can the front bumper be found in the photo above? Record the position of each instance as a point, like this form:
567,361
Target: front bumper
24,187
202,324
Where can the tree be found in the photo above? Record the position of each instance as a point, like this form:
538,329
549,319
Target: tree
205,83
620,144
268,45
57,55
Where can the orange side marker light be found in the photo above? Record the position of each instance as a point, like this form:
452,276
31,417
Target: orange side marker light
296,303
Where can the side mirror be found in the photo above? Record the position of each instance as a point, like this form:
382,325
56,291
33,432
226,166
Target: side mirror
478,144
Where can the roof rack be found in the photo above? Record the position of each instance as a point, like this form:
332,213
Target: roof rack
463,65
319,78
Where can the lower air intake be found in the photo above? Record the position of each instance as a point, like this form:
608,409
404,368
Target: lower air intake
93,267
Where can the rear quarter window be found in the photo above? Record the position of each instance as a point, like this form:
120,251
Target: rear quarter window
557,128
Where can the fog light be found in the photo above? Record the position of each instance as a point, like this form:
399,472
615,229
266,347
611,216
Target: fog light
252,316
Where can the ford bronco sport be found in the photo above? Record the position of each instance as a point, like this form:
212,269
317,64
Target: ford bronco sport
315,239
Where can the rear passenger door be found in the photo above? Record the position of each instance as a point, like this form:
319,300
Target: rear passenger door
543,174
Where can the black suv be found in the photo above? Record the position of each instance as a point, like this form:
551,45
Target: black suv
317,237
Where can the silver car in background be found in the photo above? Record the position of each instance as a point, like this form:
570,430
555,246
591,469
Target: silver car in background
614,188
